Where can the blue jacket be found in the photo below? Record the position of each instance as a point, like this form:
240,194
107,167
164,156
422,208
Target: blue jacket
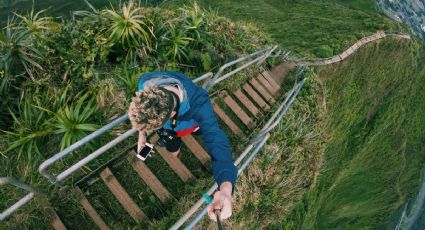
197,108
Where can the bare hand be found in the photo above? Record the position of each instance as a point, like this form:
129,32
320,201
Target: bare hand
222,201
141,141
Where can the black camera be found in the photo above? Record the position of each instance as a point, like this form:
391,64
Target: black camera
165,136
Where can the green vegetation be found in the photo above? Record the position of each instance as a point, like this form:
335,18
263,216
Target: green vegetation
62,80
305,26
374,139
348,155
366,123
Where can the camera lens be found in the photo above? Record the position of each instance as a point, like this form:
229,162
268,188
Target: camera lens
161,142
165,136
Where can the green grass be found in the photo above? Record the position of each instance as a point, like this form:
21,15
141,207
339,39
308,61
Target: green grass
374,128
306,27
365,159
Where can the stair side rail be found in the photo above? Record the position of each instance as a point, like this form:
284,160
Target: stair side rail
252,149
61,176
213,79
10,180
260,55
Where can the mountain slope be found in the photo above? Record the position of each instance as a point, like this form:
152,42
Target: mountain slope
374,151
306,27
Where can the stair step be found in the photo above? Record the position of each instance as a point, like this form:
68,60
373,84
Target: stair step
261,90
246,102
119,192
271,89
173,161
254,95
226,119
280,72
268,76
148,177
91,211
197,149
57,222
237,109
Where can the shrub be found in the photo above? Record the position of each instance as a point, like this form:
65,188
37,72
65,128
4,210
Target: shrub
323,51
129,29
18,52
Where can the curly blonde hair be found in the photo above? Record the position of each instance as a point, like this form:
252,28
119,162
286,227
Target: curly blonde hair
150,108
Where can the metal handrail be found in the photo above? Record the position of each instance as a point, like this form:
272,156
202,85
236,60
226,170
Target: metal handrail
43,167
258,60
256,143
203,77
22,201
210,191
264,54
53,179
61,176
280,112
94,155
204,211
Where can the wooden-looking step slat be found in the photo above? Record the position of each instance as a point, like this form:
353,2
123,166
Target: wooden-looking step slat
280,72
196,149
261,90
91,211
148,177
246,102
267,75
254,95
237,109
267,84
119,192
57,222
173,161
226,119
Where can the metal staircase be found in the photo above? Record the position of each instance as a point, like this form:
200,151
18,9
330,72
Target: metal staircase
241,111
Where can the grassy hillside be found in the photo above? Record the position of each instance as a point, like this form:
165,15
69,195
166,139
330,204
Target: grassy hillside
76,76
306,27
348,156
374,126
369,120
350,152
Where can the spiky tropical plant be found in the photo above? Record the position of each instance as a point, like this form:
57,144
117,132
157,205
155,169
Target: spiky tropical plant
194,20
86,13
129,28
34,23
17,51
72,121
175,42
31,125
